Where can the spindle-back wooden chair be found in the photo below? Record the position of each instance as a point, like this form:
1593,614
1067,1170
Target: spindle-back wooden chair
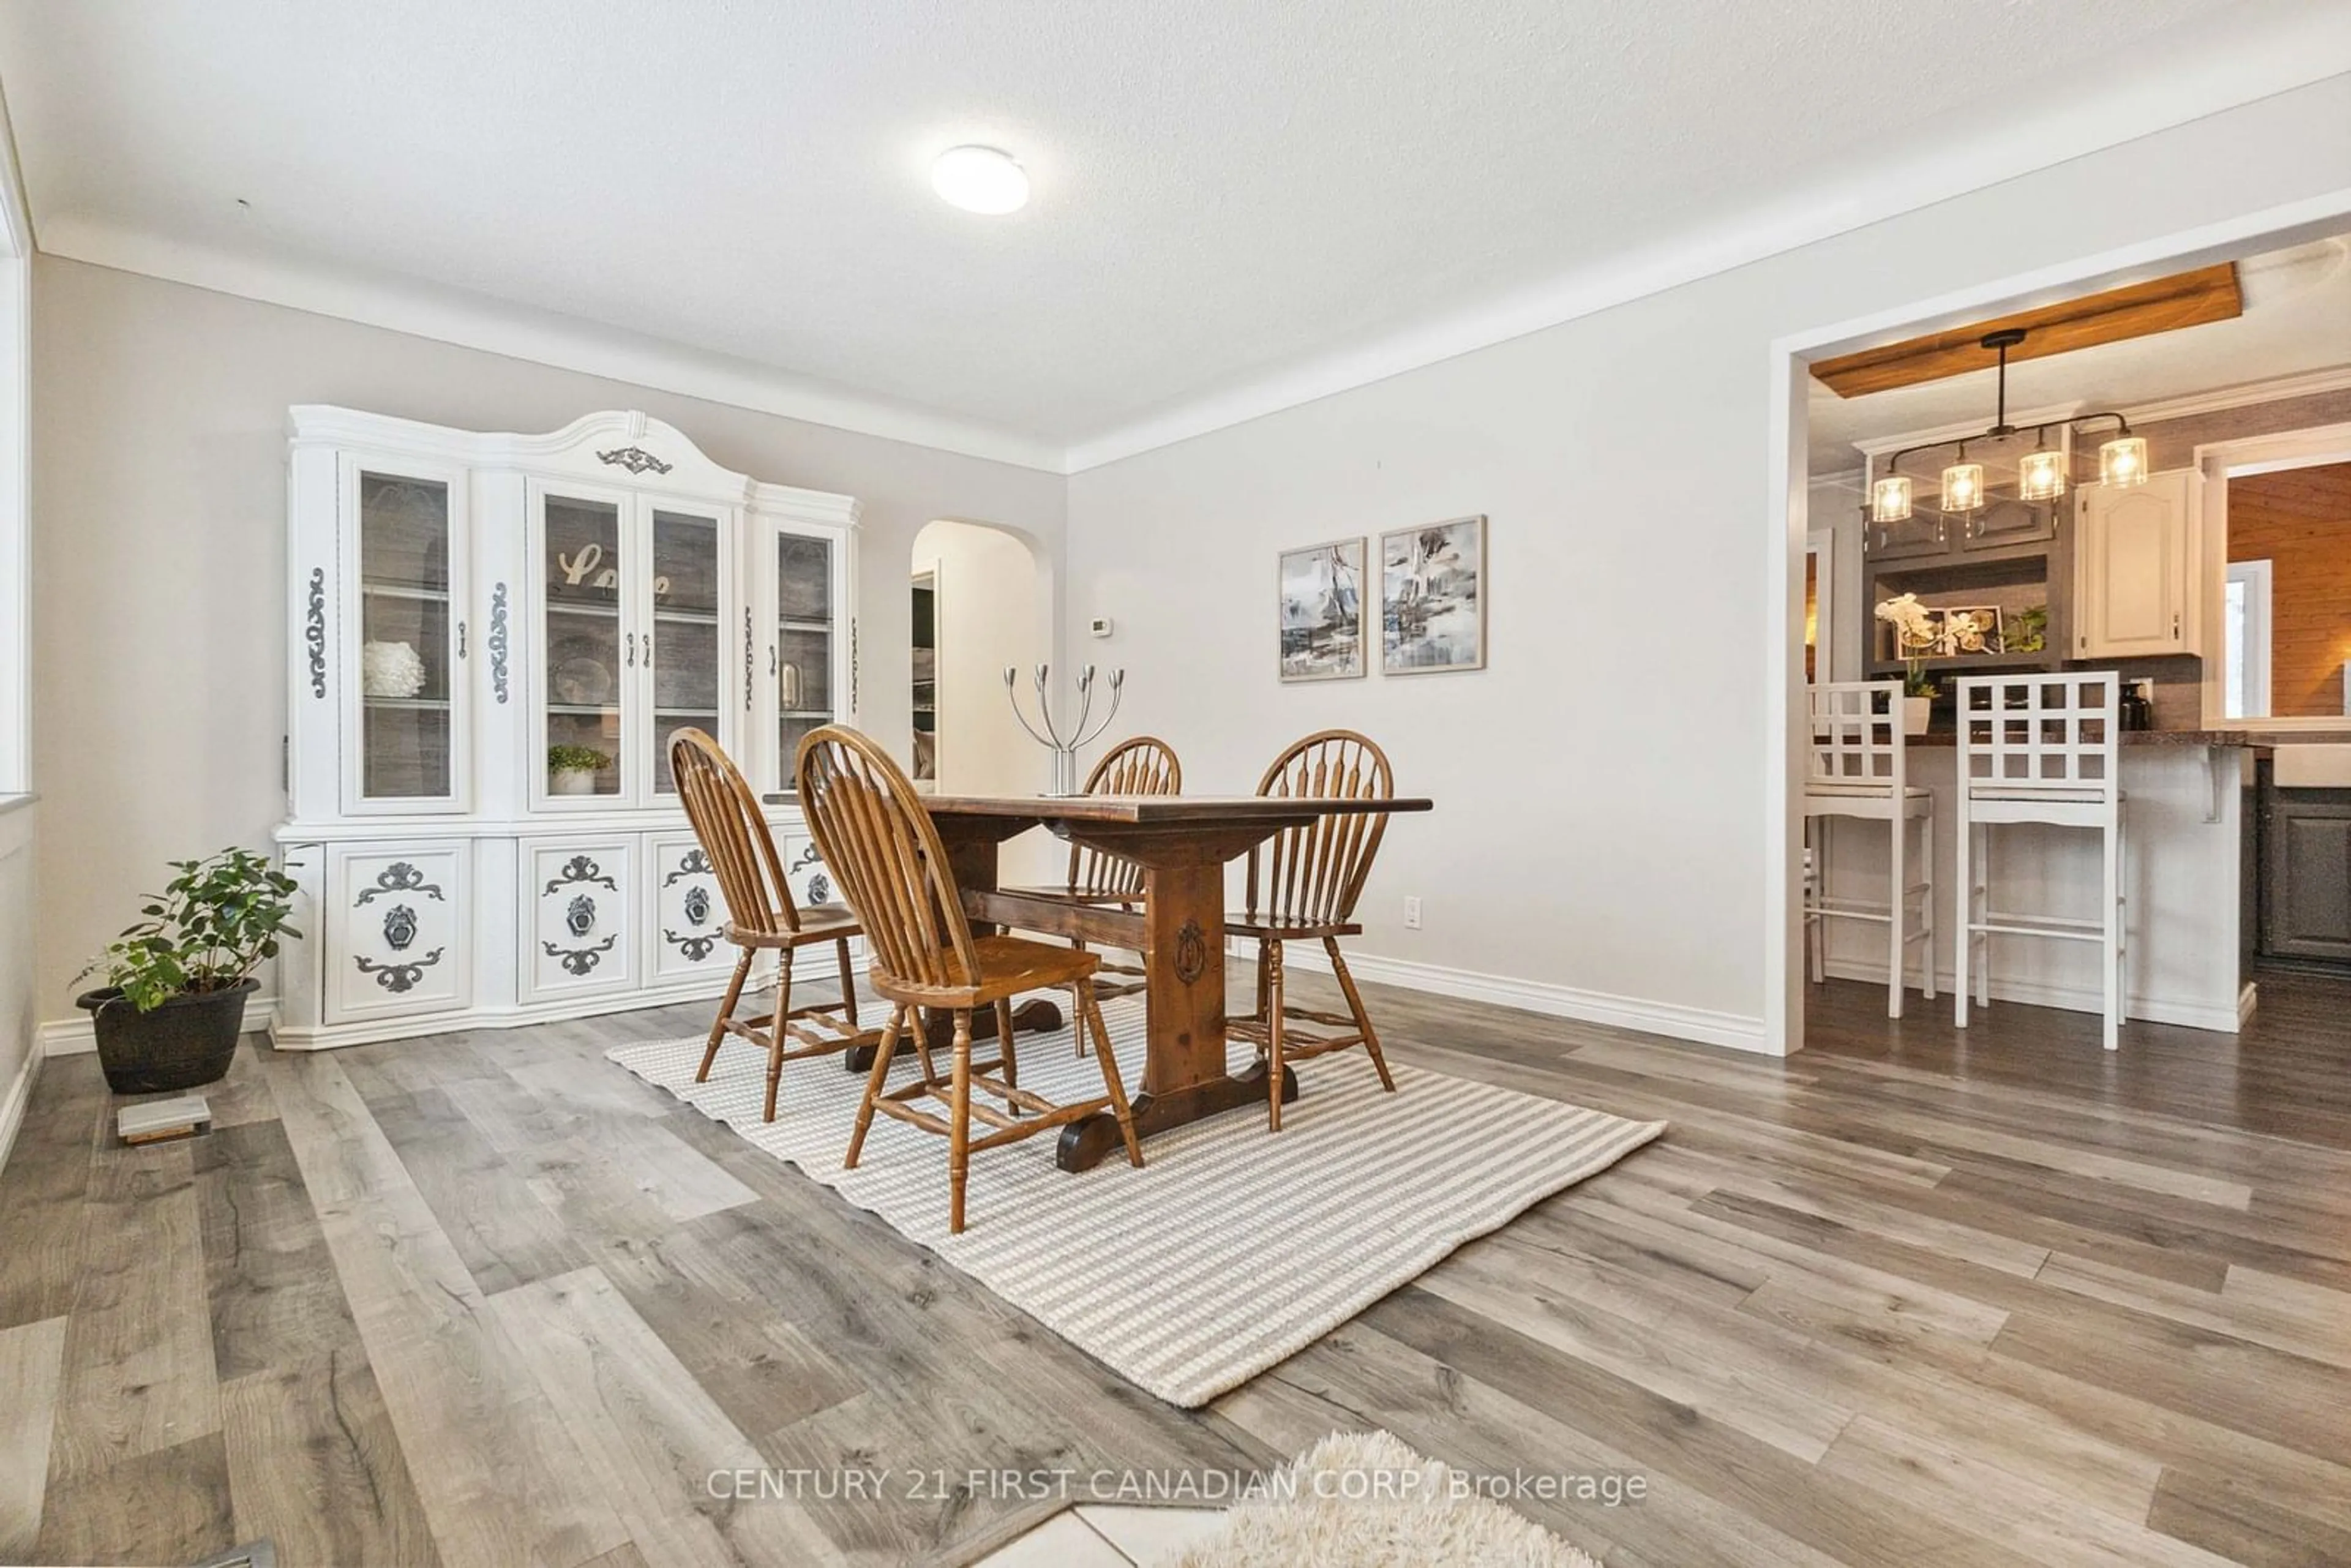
1303,885
1144,765
882,847
762,915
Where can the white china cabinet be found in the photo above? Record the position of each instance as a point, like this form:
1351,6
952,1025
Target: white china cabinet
494,638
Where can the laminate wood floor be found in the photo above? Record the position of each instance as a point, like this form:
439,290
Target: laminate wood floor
1911,1297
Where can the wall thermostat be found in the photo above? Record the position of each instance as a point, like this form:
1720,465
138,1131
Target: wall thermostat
1099,626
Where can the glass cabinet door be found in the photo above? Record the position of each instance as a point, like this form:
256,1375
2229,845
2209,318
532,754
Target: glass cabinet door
589,659
681,650
407,727
802,653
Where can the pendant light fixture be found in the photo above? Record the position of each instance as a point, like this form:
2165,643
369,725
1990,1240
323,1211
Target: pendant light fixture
2040,476
2123,461
1963,483
1889,499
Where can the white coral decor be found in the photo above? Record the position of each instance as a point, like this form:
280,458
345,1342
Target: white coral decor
391,670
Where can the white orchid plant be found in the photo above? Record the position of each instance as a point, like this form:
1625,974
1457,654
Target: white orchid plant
1916,638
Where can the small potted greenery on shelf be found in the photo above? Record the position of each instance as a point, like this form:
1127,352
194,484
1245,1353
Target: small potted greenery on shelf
572,769
172,1006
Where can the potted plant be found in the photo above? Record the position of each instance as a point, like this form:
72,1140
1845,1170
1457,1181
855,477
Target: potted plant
572,769
172,1006
2029,629
1915,638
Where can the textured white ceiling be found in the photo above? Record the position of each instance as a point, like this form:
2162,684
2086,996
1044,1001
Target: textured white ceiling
1224,188
2297,319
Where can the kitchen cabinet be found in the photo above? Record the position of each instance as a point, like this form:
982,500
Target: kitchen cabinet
2306,892
2003,522
2135,558
1922,533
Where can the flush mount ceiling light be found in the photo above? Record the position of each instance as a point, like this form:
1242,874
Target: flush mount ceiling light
2042,475
980,180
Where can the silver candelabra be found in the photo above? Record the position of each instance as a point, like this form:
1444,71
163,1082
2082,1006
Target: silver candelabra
1064,751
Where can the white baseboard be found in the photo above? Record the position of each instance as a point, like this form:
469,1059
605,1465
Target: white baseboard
2224,1019
74,1036
1669,1019
12,1107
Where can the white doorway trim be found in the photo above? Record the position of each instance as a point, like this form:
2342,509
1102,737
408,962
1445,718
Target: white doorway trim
15,474
1820,553
1788,527
926,574
2217,462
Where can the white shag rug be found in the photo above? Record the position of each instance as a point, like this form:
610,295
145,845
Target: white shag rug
1233,1248
1363,1499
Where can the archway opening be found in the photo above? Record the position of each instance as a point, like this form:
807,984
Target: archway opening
981,601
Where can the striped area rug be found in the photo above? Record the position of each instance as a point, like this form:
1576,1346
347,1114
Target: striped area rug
1232,1248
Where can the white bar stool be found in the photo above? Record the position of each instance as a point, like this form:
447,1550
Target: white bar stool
1856,767
2040,748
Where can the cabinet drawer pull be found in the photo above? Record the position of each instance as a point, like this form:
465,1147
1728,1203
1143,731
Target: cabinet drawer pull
461,639
631,659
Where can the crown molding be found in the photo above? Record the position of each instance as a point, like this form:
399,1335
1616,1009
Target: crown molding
543,336
2225,68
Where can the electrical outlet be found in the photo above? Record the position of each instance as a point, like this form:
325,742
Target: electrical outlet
1412,914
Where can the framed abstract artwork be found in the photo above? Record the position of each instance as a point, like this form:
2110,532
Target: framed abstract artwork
1322,588
1433,598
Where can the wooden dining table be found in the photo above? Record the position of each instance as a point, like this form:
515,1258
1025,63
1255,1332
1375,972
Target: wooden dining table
1183,843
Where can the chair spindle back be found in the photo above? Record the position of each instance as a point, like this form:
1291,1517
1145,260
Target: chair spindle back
727,819
1314,874
879,841
1142,766
2058,735
1858,745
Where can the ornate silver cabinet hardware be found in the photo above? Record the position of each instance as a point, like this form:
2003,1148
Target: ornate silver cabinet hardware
314,630
635,459
497,641
398,877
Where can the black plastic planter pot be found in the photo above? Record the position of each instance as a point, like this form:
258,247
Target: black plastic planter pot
185,1041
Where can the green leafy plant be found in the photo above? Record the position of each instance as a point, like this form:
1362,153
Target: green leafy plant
208,930
575,760
2029,629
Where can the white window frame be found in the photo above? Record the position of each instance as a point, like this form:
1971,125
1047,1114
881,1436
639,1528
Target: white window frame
2259,628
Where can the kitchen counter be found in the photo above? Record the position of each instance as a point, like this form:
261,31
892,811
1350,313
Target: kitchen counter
2260,739
2185,817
